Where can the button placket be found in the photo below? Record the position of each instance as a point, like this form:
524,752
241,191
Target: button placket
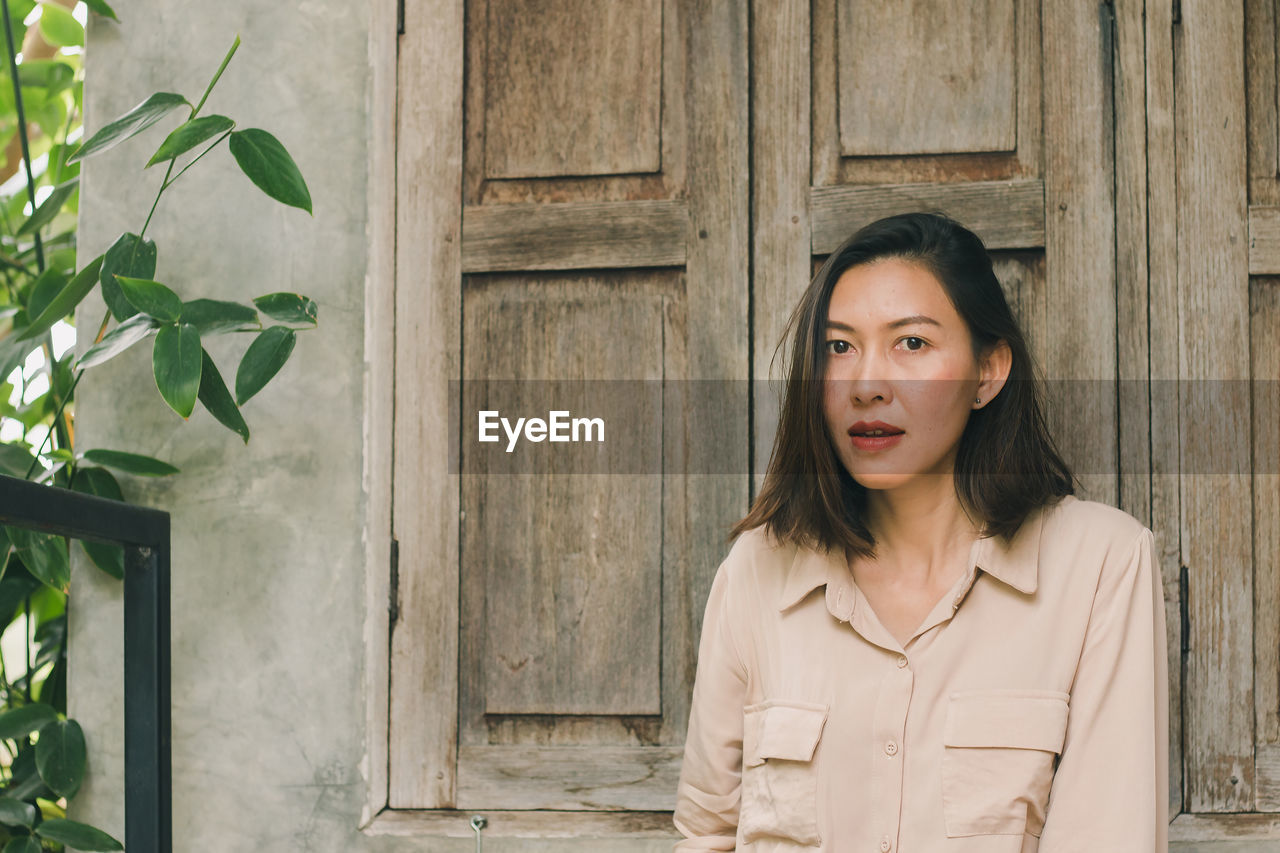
890,727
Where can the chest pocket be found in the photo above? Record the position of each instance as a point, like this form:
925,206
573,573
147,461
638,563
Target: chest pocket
779,771
999,752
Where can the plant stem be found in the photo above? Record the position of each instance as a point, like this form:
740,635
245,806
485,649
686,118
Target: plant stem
35,460
22,127
143,232
26,636
102,328
217,74
195,159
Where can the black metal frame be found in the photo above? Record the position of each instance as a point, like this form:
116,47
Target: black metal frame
144,533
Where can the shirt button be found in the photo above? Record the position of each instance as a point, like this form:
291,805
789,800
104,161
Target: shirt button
885,844
901,661
891,748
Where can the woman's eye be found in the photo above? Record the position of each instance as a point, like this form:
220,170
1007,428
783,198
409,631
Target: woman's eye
918,340
834,346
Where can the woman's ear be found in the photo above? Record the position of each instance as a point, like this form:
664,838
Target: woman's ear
997,361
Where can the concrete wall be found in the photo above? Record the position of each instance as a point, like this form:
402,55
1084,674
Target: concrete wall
267,590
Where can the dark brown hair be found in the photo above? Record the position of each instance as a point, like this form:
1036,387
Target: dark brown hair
1006,465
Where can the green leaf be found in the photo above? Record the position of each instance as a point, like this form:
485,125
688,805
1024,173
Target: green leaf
13,589
60,759
99,481
65,302
59,27
175,362
127,256
118,340
131,123
16,813
49,208
49,74
59,454
189,135
44,555
217,399
13,352
263,360
107,557
21,721
15,459
22,844
214,315
46,286
287,307
151,297
78,835
132,463
100,7
265,161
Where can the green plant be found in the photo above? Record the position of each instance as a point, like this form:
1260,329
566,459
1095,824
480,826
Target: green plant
41,284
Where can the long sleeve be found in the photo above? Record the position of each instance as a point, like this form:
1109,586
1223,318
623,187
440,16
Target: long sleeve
706,812
1110,793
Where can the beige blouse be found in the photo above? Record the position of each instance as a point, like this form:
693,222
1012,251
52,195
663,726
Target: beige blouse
1028,712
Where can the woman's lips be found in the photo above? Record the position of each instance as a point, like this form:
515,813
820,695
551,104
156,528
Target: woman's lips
875,442
874,435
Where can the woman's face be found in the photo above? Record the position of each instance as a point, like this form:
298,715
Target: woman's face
897,352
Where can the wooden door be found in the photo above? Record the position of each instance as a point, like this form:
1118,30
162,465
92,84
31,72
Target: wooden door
669,173
572,206
1028,122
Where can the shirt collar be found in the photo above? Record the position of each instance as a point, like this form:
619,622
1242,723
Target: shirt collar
1016,563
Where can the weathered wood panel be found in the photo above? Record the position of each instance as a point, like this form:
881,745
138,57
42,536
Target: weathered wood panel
1080,241
1022,277
1264,358
379,294
1005,214
1162,317
1213,267
538,825
780,246
569,777
571,564
1264,240
1189,827
1133,345
575,235
1267,761
926,76
831,167
424,642
573,87
1262,94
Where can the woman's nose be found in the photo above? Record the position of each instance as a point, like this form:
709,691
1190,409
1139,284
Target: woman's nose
866,380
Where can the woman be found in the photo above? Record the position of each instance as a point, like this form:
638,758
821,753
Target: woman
921,640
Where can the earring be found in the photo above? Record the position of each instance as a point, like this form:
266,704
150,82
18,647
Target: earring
977,399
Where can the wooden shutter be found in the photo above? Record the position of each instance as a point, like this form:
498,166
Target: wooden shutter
576,210
1025,120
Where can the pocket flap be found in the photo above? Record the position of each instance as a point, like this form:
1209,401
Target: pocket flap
786,730
1030,719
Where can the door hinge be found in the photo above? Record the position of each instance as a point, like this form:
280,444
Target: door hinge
1184,611
393,606
399,17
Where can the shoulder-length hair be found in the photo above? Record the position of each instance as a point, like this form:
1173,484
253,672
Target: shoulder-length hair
1006,465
